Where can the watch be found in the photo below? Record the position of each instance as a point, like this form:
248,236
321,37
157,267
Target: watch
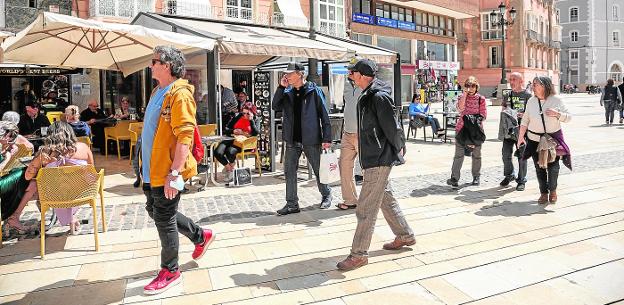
174,173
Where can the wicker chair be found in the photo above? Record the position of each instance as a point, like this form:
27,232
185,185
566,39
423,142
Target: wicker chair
79,184
135,132
119,132
207,130
249,148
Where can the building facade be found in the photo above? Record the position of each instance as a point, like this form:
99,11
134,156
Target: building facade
532,43
424,33
591,46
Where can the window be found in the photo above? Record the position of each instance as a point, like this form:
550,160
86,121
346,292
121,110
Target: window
573,55
494,57
574,14
488,30
32,3
436,51
450,27
361,6
368,39
616,13
616,38
332,17
574,36
403,46
239,9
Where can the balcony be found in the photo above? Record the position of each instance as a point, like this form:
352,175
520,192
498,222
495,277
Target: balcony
554,44
119,8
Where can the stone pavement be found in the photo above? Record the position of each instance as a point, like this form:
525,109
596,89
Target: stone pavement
476,245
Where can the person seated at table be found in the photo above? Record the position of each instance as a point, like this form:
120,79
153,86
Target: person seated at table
240,127
418,111
60,148
124,111
241,98
72,117
13,184
32,120
94,116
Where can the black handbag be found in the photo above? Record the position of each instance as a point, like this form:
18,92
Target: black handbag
242,176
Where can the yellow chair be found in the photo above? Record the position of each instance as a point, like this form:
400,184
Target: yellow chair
207,130
135,132
86,140
14,162
55,116
250,148
79,185
119,132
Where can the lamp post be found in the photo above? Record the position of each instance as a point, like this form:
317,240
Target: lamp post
500,19
313,62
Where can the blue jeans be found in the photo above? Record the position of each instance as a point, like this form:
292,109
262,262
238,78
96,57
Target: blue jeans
508,167
291,164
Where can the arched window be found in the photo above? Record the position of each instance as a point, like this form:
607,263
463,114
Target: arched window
615,73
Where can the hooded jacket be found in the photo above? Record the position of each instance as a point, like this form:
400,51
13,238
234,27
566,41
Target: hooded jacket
315,126
178,128
378,127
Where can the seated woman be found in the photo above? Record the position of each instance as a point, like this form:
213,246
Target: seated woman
417,110
60,149
13,184
72,117
124,112
241,125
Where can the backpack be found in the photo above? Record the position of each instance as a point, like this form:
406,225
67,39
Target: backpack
611,94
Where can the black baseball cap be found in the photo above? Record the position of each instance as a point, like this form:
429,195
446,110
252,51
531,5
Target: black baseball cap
366,67
352,63
294,66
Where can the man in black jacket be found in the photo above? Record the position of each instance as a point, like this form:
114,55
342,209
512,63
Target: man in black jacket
380,147
32,120
305,127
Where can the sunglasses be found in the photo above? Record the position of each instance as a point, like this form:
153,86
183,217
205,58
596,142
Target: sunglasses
154,61
470,86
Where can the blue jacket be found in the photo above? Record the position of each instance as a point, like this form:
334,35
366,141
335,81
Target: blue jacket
315,126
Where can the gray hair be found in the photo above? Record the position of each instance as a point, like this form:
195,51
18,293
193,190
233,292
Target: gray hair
549,88
174,57
11,116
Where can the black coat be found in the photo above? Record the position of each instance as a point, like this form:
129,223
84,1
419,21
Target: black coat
28,125
315,126
378,129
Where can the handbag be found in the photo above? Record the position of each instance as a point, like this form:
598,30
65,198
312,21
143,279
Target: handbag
198,148
242,176
547,147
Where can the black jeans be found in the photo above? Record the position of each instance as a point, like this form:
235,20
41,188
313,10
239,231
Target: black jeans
547,178
169,222
226,152
291,164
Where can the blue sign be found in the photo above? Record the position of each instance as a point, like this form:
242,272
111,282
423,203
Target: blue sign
391,23
363,18
409,26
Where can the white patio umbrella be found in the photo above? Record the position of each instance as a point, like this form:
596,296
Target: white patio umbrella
65,41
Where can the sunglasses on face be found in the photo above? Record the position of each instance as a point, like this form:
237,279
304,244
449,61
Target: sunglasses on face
471,86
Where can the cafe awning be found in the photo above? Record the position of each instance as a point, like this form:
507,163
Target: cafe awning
65,41
256,43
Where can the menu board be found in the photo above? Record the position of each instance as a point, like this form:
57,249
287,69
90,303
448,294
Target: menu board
262,99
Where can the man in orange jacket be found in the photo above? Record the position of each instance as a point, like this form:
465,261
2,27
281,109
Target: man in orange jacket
167,137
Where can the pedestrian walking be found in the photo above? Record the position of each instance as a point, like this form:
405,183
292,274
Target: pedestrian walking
621,88
167,137
541,123
349,142
305,128
611,98
469,131
509,128
381,144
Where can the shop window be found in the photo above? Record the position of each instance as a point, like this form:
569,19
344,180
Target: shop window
368,39
403,46
407,89
436,51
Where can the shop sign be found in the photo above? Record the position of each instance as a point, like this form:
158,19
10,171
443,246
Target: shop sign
21,71
438,65
408,26
262,98
363,18
391,23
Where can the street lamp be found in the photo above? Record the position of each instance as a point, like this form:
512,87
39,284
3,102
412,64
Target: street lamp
500,19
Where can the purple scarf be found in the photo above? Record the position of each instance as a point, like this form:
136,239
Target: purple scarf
562,149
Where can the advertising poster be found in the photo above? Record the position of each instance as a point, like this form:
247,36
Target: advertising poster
262,98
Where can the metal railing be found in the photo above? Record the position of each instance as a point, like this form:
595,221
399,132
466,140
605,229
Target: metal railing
120,8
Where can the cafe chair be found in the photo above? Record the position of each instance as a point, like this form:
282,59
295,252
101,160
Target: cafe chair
119,132
86,140
250,148
68,187
207,130
414,124
54,116
135,132
14,162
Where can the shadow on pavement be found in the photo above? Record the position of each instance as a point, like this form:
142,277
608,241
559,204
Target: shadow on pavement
433,189
480,195
301,274
599,126
310,216
513,209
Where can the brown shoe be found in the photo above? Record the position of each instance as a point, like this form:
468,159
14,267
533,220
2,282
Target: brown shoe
552,197
543,199
352,262
397,244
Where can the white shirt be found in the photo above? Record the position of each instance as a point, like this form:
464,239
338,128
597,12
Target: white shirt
532,118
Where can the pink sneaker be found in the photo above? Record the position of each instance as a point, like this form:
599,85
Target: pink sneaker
200,249
163,281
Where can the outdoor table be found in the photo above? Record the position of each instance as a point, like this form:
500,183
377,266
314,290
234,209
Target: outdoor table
446,115
210,142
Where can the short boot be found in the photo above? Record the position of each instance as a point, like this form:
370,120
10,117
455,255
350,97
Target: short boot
398,243
352,262
543,199
552,197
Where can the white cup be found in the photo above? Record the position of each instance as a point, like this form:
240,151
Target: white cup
44,131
